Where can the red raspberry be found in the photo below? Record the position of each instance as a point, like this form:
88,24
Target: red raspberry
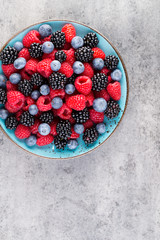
83,84
53,126
106,71
64,112
102,94
114,90
109,79
44,103
89,99
10,86
45,140
44,67
57,93
25,54
88,124
74,135
22,131
67,46
18,114
31,37
77,102
34,128
10,108
54,112
96,117
8,69
70,56
28,102
25,75
70,32
50,55
98,53
46,39
72,120
88,70
66,69
31,66
15,99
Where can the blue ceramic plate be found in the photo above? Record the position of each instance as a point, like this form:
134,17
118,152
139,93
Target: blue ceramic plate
49,151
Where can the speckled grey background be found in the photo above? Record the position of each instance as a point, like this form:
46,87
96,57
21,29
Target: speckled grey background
114,192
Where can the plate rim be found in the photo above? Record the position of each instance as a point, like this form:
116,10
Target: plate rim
127,81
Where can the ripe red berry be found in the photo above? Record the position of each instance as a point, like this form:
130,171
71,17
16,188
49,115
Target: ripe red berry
66,69
34,128
8,69
88,124
64,112
74,135
53,126
45,140
10,86
44,67
44,103
22,131
57,93
83,84
77,102
88,70
28,102
31,66
70,32
31,37
102,94
89,99
50,55
70,56
96,117
114,90
98,53
25,54
15,99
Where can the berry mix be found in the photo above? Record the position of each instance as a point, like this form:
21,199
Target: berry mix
57,86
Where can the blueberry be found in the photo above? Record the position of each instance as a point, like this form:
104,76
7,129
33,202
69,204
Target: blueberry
3,80
98,63
33,110
99,104
44,89
69,88
78,67
20,63
3,113
45,30
55,65
47,47
57,102
101,128
15,78
31,141
116,75
78,128
44,129
18,46
35,94
77,42
72,144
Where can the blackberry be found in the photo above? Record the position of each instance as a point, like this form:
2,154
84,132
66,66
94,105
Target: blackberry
90,135
64,129
37,79
112,109
46,117
111,62
90,40
72,79
84,54
60,56
25,87
99,82
3,96
8,55
58,39
36,50
11,122
57,80
80,116
59,142
27,119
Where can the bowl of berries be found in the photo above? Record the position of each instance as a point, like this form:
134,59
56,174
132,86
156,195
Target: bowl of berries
63,89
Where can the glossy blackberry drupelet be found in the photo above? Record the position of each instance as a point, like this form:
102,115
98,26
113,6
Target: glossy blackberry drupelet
25,87
3,96
36,50
58,39
8,55
64,129
81,116
59,142
90,135
37,79
60,56
99,82
111,62
47,117
11,122
84,54
57,80
90,40
27,119
112,110
72,79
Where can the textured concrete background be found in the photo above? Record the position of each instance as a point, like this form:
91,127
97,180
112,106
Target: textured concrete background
114,192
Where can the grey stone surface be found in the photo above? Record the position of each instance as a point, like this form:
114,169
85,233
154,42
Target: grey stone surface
114,192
